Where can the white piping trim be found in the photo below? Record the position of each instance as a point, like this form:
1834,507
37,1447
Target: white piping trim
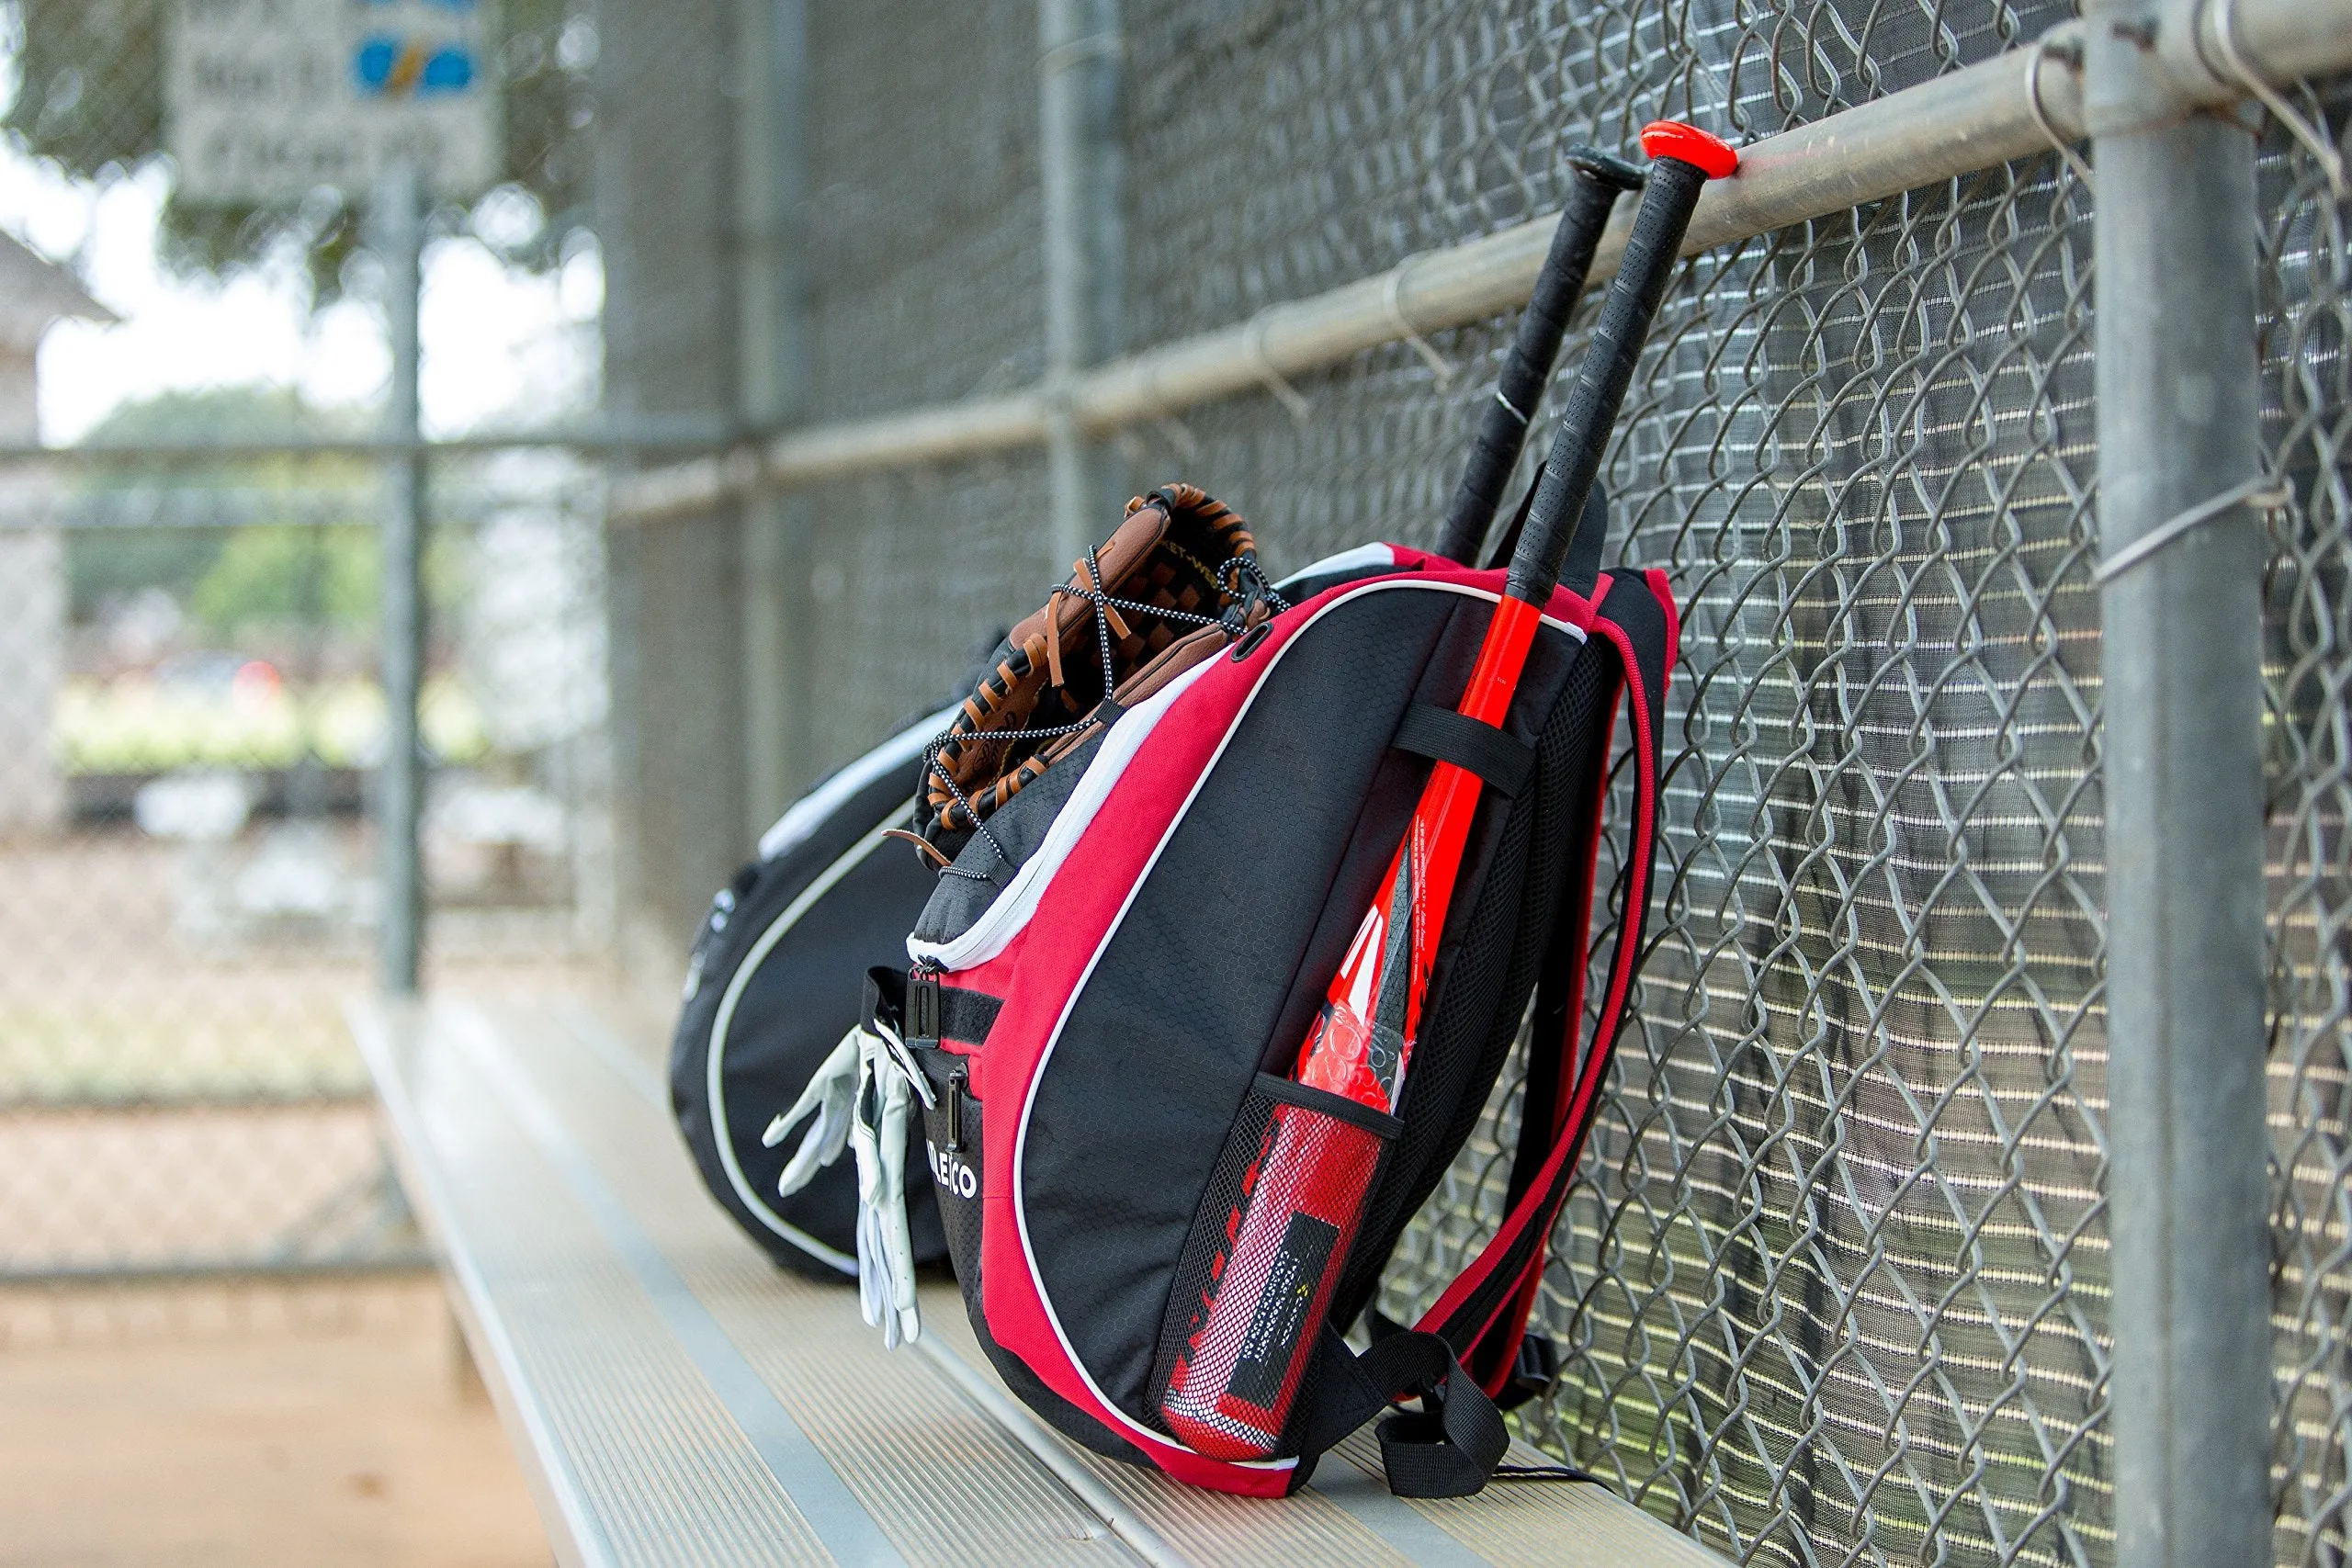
1044,1058
715,1056
1009,916
1364,558
803,816
986,936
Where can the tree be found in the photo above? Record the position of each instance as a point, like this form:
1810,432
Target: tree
90,95
268,576
274,574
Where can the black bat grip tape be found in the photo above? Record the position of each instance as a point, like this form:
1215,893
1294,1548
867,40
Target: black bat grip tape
1635,295
1503,432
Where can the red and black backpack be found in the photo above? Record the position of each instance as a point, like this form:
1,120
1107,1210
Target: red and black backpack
1120,962
1363,814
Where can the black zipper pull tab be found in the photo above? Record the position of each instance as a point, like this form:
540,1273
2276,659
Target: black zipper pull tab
922,1004
956,1081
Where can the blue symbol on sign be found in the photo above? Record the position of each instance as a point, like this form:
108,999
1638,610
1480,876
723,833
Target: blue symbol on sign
449,71
402,68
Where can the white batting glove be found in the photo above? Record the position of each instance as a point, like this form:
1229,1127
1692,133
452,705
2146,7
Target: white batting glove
886,1256
830,1095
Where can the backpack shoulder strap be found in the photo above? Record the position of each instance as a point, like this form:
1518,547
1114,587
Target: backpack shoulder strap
1483,1315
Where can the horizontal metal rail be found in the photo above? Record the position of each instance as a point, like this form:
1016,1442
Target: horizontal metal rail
2018,104
158,502
415,1259
641,435
139,1102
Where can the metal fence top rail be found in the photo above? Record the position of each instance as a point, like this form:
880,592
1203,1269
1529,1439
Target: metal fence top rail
2022,102
635,436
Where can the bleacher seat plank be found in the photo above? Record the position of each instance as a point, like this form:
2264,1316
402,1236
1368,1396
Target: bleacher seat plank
675,1399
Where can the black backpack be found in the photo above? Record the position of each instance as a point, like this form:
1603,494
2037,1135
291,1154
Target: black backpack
772,984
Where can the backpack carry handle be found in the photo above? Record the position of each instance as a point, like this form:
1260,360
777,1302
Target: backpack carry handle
1682,159
1593,196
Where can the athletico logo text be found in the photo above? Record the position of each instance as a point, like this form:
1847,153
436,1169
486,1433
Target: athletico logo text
952,1173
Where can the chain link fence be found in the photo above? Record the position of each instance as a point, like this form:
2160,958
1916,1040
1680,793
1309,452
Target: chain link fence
1833,1285
2308,668
191,715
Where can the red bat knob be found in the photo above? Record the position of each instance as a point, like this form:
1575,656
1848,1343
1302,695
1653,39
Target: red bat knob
1711,155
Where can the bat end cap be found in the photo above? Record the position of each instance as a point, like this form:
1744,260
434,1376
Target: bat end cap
1711,155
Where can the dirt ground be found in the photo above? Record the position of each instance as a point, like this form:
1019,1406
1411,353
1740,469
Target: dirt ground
323,1424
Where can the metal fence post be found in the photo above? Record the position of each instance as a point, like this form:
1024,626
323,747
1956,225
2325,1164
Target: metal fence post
1078,155
2187,1189
400,242
772,390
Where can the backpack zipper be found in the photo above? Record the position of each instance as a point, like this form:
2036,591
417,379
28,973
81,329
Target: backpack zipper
922,1002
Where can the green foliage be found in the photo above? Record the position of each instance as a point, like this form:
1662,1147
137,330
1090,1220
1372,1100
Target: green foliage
90,94
114,563
103,564
278,574
325,577
223,413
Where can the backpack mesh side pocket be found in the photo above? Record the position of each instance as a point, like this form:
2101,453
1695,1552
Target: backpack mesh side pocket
1257,1273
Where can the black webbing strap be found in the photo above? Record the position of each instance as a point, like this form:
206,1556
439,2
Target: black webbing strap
1502,761
1533,1370
1582,569
1448,1448
968,1015
945,1012
1507,546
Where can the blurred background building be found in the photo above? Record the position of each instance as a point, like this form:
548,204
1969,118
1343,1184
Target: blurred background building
34,295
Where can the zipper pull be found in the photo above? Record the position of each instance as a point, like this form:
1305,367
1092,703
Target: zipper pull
956,1081
922,1003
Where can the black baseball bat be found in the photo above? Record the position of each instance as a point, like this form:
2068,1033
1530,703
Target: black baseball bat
1599,179
1682,159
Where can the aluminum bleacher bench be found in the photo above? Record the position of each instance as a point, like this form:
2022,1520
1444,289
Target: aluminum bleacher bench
675,1399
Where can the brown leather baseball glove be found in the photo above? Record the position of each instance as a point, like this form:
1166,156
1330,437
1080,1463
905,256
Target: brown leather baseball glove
1176,582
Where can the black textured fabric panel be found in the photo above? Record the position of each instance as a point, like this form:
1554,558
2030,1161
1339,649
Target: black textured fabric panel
956,1175
1554,1029
1220,964
807,992
1446,735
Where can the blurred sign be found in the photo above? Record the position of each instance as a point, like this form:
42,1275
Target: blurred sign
266,100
